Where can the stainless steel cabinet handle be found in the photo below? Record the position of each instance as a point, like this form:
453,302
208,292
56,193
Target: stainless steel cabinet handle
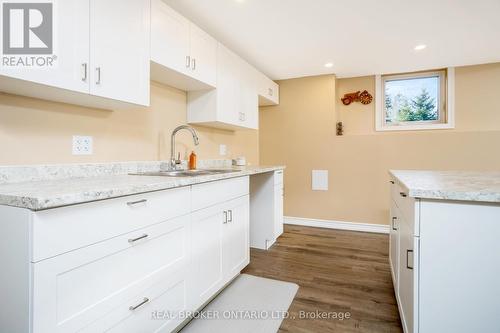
394,218
132,203
194,64
188,61
134,307
225,217
407,254
133,240
84,66
403,194
230,216
98,70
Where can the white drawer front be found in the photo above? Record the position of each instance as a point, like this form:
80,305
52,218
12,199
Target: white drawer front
408,206
75,289
209,194
160,310
60,230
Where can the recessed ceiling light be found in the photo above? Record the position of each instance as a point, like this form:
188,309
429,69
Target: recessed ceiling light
420,47
329,65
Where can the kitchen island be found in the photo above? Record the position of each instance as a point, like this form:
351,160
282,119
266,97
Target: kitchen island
444,250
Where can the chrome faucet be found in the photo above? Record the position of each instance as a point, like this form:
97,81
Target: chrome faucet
173,161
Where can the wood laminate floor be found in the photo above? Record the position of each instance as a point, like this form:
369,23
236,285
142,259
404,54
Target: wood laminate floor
337,272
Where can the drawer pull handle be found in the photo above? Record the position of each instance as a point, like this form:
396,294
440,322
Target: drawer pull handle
391,181
135,307
403,194
225,217
407,254
98,70
230,216
84,67
394,218
131,203
133,240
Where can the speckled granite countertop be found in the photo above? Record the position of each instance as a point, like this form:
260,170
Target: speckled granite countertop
51,193
450,185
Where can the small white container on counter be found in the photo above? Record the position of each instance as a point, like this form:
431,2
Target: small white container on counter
240,161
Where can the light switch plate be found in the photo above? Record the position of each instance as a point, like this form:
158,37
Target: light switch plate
320,180
222,150
82,145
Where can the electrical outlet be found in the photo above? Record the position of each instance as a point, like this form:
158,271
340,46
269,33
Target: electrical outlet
222,150
82,145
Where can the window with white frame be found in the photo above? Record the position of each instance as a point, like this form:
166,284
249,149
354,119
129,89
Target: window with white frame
414,101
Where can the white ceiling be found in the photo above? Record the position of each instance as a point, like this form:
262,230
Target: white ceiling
294,38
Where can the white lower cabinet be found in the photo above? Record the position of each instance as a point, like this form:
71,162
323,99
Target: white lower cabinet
278,210
394,245
408,276
207,253
220,246
143,259
235,237
444,265
266,217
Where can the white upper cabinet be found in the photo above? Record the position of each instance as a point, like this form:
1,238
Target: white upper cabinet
101,51
119,51
182,55
203,54
71,70
234,104
268,90
169,37
248,115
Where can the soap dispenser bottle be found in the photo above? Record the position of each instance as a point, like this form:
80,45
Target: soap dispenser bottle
192,161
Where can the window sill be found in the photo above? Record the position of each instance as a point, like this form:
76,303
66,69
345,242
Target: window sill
414,127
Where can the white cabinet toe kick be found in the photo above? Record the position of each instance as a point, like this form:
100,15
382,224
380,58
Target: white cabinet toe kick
109,265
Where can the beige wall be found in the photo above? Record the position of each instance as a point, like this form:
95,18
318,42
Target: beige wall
36,131
300,133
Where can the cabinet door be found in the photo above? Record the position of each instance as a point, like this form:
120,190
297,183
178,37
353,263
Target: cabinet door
236,241
119,49
268,91
408,271
394,244
248,101
169,37
228,87
278,210
203,53
71,47
207,272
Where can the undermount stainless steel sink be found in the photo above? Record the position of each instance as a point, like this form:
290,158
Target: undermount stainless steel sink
185,173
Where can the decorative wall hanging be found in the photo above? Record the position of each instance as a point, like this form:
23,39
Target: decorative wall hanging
340,128
364,97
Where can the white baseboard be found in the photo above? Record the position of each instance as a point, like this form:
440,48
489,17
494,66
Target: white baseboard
353,226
